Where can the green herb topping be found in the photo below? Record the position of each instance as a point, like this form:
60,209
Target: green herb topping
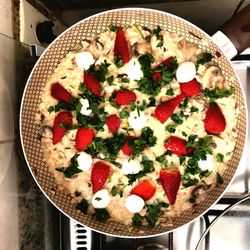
217,93
72,169
101,214
153,212
83,206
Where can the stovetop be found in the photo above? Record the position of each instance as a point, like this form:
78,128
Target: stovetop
53,230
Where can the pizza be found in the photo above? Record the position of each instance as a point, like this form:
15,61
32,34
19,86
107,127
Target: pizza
138,125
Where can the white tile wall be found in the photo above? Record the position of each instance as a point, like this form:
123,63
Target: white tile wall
6,17
9,234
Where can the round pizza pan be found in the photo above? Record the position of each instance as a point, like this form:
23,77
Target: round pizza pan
87,29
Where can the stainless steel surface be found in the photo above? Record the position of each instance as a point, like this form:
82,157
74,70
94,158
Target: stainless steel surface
234,219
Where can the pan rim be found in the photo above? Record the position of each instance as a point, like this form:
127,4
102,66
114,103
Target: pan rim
27,84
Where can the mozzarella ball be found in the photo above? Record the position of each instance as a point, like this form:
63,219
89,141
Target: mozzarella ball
137,120
134,203
84,59
207,164
84,161
85,107
101,199
133,69
186,72
131,167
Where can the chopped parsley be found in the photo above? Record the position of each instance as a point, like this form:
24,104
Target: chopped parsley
114,191
148,167
184,104
147,139
184,133
219,157
101,214
217,93
124,114
118,61
147,84
83,206
160,44
151,101
137,220
204,58
170,92
161,158
132,106
51,109
182,159
219,179
61,105
146,60
110,80
194,109
112,101
109,147
112,28
170,128
156,32
153,212
72,169
176,118
95,121
193,173
100,72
